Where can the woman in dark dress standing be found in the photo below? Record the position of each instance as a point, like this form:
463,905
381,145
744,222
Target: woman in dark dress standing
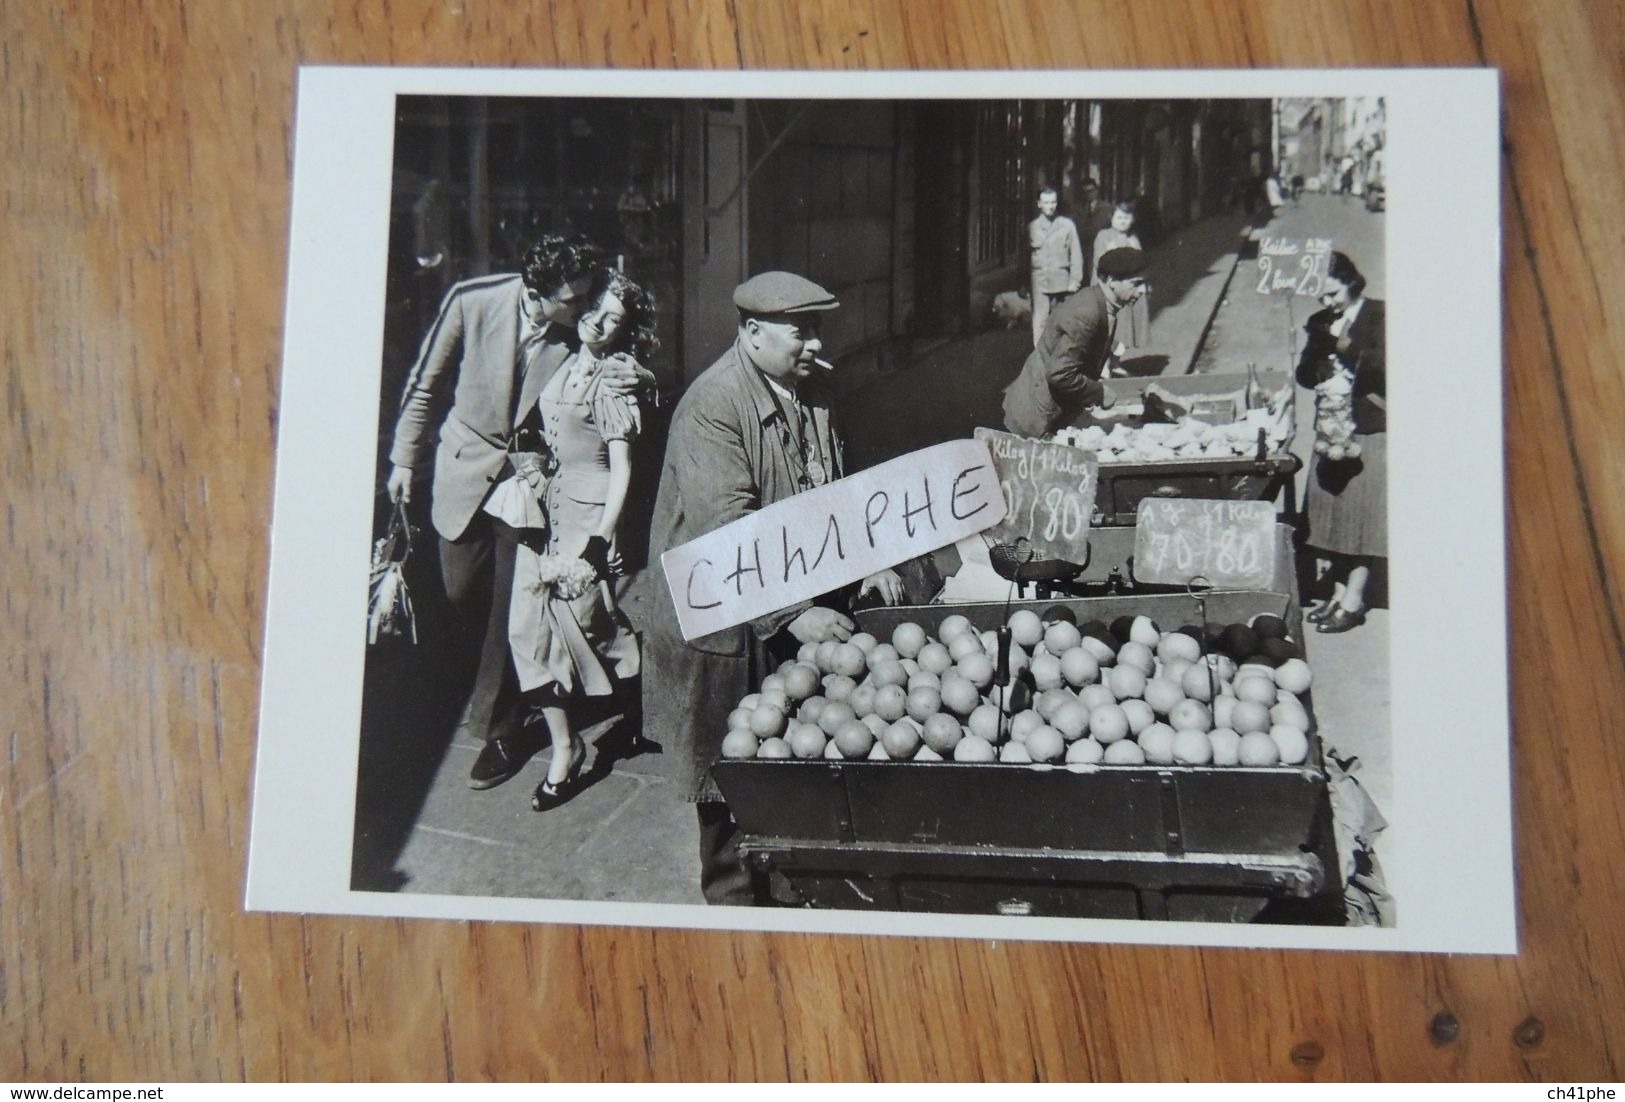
1344,360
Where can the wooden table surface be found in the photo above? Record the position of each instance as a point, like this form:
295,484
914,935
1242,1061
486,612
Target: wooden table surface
144,249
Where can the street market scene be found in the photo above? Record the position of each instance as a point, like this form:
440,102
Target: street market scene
1158,689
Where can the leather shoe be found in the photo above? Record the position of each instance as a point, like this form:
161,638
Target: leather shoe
1319,612
1340,619
501,759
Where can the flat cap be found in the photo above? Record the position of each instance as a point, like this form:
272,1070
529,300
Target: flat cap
1123,263
782,293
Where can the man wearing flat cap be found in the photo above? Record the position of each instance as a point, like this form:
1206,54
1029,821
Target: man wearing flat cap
1061,377
754,429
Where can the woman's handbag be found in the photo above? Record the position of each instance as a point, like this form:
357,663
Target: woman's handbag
389,607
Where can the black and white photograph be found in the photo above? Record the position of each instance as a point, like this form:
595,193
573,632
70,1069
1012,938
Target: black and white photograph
1166,693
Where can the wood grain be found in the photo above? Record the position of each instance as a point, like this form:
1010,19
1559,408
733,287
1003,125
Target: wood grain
143,249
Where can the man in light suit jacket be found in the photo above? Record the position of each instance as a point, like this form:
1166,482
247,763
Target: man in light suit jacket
1057,258
494,345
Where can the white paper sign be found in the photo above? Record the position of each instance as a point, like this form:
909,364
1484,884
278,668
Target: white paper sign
825,538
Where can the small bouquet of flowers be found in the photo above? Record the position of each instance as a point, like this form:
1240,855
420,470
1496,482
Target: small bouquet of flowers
389,605
569,576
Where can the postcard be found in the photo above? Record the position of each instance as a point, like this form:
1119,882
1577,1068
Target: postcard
932,504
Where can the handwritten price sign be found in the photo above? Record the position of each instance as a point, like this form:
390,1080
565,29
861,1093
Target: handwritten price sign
1230,543
1298,267
1049,493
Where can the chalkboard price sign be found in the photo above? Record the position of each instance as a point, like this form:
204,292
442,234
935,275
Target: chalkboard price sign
1049,492
1230,543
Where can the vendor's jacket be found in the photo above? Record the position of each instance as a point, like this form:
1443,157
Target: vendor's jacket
1362,349
1061,377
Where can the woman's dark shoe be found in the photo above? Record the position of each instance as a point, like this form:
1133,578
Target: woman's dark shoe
549,795
1318,612
1340,619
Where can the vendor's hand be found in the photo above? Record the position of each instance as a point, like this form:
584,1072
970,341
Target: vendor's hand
818,624
887,584
1118,352
596,555
399,486
624,375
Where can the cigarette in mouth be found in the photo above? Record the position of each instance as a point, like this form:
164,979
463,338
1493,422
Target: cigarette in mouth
825,364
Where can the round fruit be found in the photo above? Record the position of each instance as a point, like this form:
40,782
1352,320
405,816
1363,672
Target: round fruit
1191,715
925,679
1139,656
1199,682
888,673
808,654
959,696
1289,713
1255,668
891,703
1175,646
1239,641
1192,748
739,718
1293,744
1226,746
750,702
1175,671
1023,723
1280,650
739,743
984,723
862,700
1047,703
908,637
942,733
836,715
901,740
910,666
1258,690
848,660
1015,753
1257,748
1224,668
972,748
1122,628
1071,719
773,683
925,753
1293,675
1139,715
1108,724
1086,751
854,738
1157,743
952,627
1124,753
1103,653
807,742
812,709
1144,631
934,658
1163,695
1026,627
1079,667
881,652
977,669
864,642
800,681
1224,709
1046,670
1249,717
766,721
1045,744
838,687
1127,683
1096,696
1013,697
989,641
1268,626
1061,637
825,657
779,750
966,645
1019,660
875,724
923,702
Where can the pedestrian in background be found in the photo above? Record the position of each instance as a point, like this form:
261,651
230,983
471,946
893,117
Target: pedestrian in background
1057,258
1134,325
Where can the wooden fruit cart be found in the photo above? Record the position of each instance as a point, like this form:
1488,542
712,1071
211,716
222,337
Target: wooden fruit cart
1187,843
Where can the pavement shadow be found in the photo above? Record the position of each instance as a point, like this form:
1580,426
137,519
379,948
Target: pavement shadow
1142,367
